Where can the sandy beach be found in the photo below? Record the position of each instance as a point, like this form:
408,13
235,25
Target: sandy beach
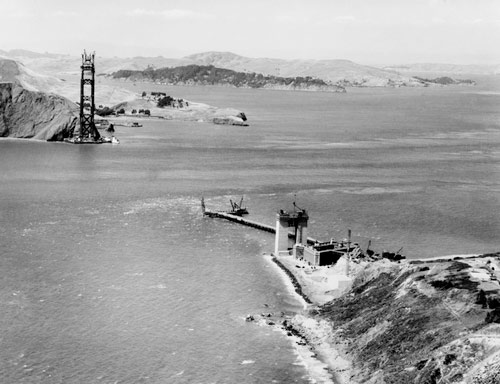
326,363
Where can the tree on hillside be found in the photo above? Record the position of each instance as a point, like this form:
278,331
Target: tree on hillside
106,111
165,101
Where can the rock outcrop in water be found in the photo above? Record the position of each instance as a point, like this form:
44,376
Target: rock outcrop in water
28,114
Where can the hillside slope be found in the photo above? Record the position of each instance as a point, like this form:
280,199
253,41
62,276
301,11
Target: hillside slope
342,72
59,74
421,322
36,115
65,66
28,109
210,75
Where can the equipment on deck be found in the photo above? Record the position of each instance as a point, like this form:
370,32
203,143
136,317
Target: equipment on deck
238,209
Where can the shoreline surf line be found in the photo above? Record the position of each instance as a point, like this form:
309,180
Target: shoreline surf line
308,353
286,280
296,285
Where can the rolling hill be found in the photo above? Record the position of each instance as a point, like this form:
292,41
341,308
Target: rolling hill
341,72
209,75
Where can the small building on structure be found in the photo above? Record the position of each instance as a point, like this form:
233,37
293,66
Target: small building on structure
313,252
323,253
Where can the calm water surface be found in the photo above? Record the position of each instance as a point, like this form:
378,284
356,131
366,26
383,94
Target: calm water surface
111,275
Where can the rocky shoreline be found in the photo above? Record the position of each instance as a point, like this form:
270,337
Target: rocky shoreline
379,330
311,335
296,284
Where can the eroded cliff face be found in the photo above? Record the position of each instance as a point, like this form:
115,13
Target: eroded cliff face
421,322
35,115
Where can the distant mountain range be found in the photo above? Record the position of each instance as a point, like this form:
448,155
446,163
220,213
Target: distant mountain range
48,73
344,73
448,69
341,72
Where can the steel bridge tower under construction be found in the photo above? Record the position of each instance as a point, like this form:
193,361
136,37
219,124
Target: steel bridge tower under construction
88,131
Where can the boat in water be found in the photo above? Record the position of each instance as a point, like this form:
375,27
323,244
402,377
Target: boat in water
238,209
102,123
112,140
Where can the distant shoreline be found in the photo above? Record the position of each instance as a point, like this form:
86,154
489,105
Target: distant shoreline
330,88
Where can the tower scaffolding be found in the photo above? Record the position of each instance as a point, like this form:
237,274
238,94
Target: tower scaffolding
88,131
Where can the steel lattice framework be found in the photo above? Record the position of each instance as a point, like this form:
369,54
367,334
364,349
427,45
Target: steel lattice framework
88,129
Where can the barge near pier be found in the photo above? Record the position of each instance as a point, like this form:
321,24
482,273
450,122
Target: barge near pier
249,223
305,248
308,249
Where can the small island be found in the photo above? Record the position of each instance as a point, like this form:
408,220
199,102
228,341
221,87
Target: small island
210,75
445,80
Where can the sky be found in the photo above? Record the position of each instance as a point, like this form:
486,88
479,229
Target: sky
365,31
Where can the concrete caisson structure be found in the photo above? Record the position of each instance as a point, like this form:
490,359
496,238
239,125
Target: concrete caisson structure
284,220
311,251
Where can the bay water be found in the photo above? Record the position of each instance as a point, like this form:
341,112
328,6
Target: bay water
110,274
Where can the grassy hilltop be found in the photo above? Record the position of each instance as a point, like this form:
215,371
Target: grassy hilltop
421,322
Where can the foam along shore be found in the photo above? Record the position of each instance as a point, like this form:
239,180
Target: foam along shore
319,371
447,258
319,284
325,363
455,298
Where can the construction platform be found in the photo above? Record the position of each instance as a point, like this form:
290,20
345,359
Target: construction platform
101,140
249,223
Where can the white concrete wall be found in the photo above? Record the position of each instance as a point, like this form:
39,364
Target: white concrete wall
310,255
301,235
281,240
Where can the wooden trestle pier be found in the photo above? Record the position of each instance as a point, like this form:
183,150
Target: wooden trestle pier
249,223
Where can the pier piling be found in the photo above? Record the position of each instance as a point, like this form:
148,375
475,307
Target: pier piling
248,223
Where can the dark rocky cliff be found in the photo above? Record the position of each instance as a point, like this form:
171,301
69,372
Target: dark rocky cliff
36,115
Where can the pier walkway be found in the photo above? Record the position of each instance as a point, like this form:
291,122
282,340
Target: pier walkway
249,223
